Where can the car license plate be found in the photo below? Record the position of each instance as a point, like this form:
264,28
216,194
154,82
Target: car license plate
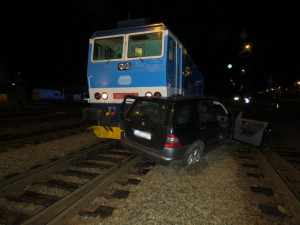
142,134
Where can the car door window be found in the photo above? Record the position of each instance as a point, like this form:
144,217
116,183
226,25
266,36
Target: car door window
258,112
221,114
252,125
205,112
183,114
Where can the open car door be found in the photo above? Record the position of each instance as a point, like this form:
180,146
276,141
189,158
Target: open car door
126,104
253,124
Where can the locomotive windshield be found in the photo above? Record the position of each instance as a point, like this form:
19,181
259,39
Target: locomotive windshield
145,45
138,45
108,48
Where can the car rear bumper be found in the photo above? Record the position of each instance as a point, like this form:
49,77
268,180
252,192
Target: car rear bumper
166,156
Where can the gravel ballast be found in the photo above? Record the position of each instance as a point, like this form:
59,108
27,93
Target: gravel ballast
19,160
214,192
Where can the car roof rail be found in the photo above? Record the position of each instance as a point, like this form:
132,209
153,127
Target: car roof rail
175,96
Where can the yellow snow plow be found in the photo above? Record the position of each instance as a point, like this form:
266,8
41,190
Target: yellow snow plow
107,132
108,126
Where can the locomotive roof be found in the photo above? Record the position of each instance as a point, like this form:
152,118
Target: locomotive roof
151,27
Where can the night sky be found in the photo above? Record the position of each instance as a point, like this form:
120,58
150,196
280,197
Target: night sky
47,41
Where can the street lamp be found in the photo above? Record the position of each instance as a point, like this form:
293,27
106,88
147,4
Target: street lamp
247,47
246,50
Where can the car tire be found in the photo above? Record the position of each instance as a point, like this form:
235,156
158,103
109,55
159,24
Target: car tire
194,153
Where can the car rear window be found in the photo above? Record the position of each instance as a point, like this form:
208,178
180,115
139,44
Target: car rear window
154,112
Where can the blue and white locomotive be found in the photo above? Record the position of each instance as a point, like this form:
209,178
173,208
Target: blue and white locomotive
145,60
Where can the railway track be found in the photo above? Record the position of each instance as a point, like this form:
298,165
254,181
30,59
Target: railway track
278,197
285,161
80,177
91,170
36,137
37,116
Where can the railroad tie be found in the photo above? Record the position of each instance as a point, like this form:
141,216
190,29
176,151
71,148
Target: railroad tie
109,193
271,210
112,152
12,217
107,159
146,164
102,211
94,165
69,186
125,182
34,197
255,175
138,171
78,173
250,165
262,190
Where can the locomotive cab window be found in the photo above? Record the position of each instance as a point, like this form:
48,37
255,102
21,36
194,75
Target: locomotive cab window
108,48
171,49
145,45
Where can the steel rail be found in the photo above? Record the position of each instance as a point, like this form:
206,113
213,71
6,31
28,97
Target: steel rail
67,207
271,161
18,182
4,144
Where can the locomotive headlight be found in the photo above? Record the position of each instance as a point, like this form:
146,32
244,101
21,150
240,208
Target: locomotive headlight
148,94
104,96
124,66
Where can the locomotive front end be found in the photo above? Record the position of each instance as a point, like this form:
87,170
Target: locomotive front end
121,62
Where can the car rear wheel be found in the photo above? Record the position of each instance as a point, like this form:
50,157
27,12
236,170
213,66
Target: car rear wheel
194,153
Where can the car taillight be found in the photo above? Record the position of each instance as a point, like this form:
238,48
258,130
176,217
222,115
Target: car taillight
172,141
